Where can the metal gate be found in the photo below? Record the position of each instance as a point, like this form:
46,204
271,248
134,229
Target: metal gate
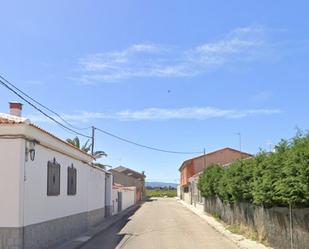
119,201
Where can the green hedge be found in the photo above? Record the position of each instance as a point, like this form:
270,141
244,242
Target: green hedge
279,179
161,192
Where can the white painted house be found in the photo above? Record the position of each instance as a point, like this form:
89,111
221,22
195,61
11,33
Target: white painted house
49,190
122,198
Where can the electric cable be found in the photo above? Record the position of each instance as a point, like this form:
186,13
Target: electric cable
43,106
145,146
42,112
10,87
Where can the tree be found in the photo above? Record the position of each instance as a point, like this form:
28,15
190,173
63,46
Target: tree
276,179
75,142
86,147
235,183
208,181
293,186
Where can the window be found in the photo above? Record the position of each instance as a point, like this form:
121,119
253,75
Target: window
72,178
186,189
53,178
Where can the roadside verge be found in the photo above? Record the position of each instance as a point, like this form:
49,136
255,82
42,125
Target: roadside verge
239,240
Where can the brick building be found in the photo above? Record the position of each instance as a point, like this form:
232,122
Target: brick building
192,168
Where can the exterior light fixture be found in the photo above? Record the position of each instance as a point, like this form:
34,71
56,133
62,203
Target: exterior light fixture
32,155
30,150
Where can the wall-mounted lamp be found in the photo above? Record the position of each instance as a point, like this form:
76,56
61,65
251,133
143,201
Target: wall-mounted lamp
30,150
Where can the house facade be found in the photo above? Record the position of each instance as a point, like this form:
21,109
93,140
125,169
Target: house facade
129,178
50,191
123,198
191,169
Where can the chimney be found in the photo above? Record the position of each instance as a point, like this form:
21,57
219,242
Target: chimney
15,108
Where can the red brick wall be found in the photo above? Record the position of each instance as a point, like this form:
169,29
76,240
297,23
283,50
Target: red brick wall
196,165
186,173
221,157
138,195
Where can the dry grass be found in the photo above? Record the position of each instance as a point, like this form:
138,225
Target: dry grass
245,231
242,230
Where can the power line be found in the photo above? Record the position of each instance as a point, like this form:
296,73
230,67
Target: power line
43,106
42,112
145,146
6,84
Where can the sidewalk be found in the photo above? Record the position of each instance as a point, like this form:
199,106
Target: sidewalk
80,241
239,240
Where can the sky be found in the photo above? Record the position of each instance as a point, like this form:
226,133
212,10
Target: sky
176,75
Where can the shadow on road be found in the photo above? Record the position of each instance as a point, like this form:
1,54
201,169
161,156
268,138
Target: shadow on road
110,238
150,199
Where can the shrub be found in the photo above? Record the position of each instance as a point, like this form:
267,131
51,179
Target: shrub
236,183
280,178
293,185
157,192
209,181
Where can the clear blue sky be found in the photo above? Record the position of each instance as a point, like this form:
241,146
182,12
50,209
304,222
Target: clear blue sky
179,75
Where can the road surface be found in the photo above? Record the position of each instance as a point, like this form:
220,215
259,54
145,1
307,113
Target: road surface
160,224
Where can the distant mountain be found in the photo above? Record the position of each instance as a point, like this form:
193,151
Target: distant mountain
160,184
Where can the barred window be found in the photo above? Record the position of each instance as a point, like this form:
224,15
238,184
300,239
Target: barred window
72,180
53,178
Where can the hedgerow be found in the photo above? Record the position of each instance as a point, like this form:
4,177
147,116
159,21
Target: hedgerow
209,182
279,178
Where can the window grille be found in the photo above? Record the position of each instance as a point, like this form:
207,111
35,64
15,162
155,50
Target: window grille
53,178
72,180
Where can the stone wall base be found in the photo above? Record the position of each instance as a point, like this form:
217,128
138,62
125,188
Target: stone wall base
50,233
11,238
108,211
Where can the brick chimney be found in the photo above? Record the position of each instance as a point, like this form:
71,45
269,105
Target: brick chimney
15,108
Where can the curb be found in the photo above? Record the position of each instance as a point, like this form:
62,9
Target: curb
83,239
240,241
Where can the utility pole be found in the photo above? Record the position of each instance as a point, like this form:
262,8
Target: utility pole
92,140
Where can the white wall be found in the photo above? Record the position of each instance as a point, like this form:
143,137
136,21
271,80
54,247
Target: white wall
108,189
39,207
23,185
128,197
114,201
96,188
178,191
11,178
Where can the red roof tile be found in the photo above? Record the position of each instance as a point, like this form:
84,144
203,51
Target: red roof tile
10,119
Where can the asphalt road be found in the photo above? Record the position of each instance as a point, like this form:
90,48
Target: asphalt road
160,224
